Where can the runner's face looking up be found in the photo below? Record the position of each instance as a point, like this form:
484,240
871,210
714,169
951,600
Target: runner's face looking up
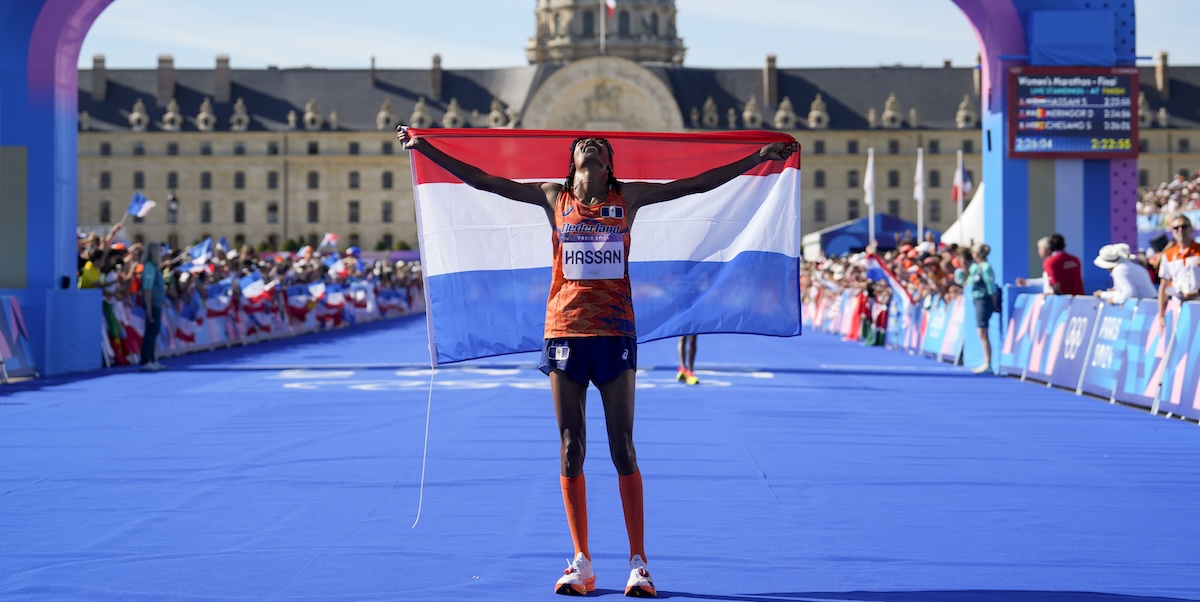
597,151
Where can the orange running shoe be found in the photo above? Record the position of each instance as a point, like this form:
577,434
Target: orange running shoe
691,378
578,578
682,375
640,584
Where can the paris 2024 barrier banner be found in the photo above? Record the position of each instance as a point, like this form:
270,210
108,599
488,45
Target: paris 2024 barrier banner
1122,353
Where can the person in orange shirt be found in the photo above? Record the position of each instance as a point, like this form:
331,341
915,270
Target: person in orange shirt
589,332
1179,269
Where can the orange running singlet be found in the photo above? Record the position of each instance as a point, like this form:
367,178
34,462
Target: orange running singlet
589,291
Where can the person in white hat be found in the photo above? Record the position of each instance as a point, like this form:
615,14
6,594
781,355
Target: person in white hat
1130,279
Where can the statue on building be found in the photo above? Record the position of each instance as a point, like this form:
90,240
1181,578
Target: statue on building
386,116
420,117
292,119
1145,113
965,118
710,118
496,117
240,120
172,120
785,116
751,116
818,115
891,118
1163,119
872,118
731,118
913,122
206,120
333,120
454,115
312,116
85,121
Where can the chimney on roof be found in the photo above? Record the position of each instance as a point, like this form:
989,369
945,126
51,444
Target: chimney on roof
372,69
99,78
1162,80
222,79
166,80
435,76
770,82
946,64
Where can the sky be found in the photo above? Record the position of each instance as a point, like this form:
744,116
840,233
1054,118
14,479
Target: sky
493,33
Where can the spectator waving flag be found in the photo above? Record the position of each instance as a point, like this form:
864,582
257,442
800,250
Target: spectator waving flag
329,240
878,271
722,261
201,252
139,206
218,298
254,290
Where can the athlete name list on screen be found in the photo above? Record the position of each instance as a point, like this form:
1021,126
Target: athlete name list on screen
1062,112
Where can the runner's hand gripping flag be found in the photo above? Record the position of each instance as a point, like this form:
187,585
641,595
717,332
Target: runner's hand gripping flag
722,261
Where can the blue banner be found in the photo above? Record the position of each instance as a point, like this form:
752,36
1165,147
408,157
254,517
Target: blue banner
1180,390
16,348
972,353
935,329
1051,322
956,325
1018,335
1107,355
1146,341
1069,348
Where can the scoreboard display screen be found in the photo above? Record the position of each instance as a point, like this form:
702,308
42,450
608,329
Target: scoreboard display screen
1072,112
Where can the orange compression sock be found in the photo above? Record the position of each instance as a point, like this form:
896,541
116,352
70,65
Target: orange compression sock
574,491
631,502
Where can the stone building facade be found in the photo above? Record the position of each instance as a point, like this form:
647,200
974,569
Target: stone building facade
271,155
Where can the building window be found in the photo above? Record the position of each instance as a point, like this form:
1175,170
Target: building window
353,180
819,211
818,147
173,213
314,212
172,148
273,242
386,181
935,147
139,180
206,180
852,209
852,147
239,148
1185,145
272,180
272,213
272,148
386,241
893,207
968,146
819,178
386,214
352,213
893,147
206,212
239,239
239,180
352,148
353,240
205,148
386,148
654,24
314,148
173,241
623,24
239,212
852,178
314,180
1143,177
105,211
139,148
313,239
172,180
105,180
105,148
1143,145
935,178
893,178
935,210
589,24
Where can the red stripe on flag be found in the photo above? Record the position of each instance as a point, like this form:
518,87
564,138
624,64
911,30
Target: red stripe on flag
545,155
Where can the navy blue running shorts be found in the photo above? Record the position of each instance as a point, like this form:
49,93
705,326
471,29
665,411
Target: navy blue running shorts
596,359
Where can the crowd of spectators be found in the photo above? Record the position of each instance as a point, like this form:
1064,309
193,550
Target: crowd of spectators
1179,194
116,267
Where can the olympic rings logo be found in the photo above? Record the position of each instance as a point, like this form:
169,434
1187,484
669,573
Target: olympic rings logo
1076,330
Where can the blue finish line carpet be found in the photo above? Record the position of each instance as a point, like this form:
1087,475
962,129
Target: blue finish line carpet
800,469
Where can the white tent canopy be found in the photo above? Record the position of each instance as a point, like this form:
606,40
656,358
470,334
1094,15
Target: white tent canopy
969,227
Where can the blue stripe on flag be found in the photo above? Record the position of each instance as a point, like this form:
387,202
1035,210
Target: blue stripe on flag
488,313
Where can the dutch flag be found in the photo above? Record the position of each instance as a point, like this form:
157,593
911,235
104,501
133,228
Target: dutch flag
724,261
878,271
